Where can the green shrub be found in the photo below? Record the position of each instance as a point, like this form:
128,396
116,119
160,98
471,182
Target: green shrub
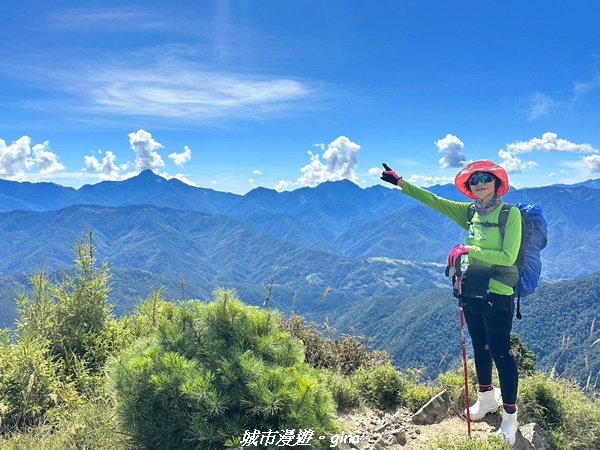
89,425
416,395
540,402
344,390
382,386
455,443
453,381
215,371
572,419
325,349
29,384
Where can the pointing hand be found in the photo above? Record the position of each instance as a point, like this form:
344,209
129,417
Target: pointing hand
391,176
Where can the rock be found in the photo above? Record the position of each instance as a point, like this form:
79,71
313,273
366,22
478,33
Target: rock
387,441
532,437
400,435
382,427
434,410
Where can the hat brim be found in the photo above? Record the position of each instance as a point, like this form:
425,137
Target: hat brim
485,165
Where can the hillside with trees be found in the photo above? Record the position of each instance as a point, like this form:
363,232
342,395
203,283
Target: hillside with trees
211,374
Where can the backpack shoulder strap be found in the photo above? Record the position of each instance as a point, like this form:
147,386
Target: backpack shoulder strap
503,217
470,213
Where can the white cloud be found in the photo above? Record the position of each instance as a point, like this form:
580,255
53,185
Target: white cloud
592,162
14,157
107,169
181,158
453,149
145,149
181,177
256,172
18,158
549,142
174,89
540,105
552,174
426,180
282,185
375,172
340,162
514,164
46,161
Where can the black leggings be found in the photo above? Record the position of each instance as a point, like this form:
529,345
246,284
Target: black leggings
489,327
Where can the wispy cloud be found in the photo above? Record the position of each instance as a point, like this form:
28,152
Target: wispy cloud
170,89
549,142
105,19
583,88
426,180
540,105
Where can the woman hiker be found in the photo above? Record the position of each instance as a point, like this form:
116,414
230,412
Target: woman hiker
489,320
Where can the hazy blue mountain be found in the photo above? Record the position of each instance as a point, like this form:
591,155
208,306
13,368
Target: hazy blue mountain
342,219
149,188
34,196
593,184
204,249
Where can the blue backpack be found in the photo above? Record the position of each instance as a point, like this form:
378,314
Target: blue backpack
534,238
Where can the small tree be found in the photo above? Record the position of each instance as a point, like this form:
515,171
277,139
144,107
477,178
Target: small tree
72,315
214,372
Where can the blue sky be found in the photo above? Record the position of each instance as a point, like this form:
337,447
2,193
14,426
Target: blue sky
233,95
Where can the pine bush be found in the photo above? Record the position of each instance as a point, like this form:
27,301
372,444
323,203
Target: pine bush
214,371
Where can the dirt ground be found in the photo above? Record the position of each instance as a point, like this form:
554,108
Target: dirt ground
372,425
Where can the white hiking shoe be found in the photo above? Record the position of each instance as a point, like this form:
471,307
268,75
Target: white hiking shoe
487,402
508,427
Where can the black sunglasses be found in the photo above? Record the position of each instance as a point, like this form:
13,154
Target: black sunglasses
476,179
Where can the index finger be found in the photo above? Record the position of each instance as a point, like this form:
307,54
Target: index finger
386,167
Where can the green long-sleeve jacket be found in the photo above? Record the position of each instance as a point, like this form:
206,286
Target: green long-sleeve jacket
487,246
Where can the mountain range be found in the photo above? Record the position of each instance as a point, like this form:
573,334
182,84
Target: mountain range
357,245
340,221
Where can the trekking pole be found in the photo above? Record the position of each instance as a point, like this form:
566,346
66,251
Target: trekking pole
464,352
464,345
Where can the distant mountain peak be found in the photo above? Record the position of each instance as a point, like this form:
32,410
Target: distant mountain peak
148,174
260,191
